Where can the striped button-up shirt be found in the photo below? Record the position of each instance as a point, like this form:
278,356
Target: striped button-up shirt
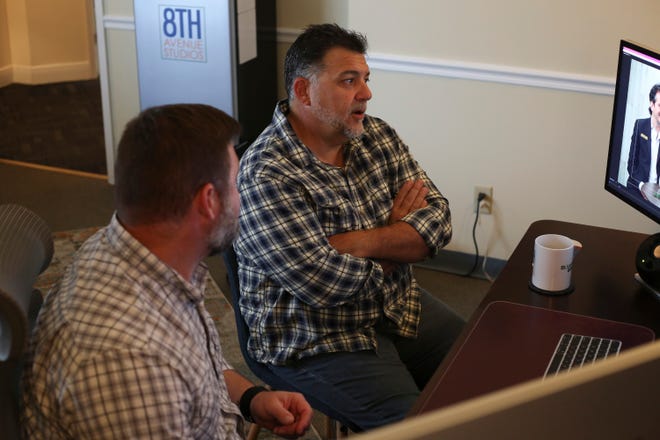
299,296
124,348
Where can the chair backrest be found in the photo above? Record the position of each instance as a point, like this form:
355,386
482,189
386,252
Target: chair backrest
26,248
259,370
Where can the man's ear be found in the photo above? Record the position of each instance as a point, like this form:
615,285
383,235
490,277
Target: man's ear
207,201
301,90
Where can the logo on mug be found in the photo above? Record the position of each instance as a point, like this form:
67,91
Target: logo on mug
566,267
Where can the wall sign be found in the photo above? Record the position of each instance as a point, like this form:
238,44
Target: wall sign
186,52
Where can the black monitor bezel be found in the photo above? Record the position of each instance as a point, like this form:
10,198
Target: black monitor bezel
634,200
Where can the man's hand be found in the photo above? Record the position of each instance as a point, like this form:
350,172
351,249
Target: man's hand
411,196
286,414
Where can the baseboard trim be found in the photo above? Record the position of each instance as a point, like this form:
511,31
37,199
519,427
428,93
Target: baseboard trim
460,263
52,73
54,169
5,75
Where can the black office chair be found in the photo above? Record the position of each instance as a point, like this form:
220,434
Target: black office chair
26,248
259,369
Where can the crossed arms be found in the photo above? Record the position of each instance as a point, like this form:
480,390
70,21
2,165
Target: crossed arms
398,242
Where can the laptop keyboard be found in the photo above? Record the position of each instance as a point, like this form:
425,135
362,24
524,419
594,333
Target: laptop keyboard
573,351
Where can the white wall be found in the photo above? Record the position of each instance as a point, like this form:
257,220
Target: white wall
118,63
514,94
294,15
543,149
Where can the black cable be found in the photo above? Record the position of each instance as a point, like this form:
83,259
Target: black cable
480,197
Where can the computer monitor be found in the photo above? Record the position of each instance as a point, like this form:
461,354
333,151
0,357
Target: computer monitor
616,398
633,162
629,174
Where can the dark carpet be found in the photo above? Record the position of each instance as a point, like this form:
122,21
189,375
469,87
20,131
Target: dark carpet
58,125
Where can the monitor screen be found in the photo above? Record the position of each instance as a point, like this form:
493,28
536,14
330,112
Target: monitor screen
633,164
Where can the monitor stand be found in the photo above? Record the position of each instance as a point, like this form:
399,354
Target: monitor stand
647,263
648,287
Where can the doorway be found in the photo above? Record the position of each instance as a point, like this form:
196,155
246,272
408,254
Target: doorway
50,112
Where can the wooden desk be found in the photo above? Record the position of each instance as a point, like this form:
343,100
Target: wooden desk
602,276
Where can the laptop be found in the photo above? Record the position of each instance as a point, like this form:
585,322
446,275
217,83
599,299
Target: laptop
614,399
513,343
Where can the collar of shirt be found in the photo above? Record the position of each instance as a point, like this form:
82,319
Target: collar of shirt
298,152
142,259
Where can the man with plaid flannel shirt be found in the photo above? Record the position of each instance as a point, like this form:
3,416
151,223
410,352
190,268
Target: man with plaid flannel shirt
334,209
123,346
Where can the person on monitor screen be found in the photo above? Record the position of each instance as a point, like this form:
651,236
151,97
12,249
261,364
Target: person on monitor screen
643,165
123,346
334,209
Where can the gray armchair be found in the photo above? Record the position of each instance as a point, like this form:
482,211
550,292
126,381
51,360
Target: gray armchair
26,248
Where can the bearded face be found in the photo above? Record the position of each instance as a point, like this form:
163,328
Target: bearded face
225,230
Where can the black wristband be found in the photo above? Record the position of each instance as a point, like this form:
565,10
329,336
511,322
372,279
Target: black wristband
246,399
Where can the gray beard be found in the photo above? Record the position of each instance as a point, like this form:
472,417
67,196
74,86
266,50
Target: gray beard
327,117
224,236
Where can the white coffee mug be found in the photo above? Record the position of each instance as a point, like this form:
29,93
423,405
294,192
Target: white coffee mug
553,263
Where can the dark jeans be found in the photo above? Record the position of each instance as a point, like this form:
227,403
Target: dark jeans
367,389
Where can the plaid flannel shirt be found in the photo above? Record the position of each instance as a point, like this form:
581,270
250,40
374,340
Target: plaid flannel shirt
124,348
299,296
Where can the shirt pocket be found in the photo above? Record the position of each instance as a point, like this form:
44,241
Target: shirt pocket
378,203
335,213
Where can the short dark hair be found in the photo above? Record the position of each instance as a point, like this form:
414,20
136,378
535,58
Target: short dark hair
305,54
654,91
166,154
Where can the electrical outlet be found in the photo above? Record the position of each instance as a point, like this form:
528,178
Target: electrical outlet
487,203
